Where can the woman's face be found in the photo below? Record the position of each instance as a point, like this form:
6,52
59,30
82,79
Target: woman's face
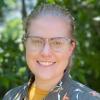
47,63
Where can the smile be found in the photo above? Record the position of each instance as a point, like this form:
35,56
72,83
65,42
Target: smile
45,63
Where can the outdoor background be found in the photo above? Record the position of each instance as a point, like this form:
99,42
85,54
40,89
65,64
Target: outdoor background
13,68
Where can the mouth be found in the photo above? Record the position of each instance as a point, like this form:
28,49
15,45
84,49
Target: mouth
46,63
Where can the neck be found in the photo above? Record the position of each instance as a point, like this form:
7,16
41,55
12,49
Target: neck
47,85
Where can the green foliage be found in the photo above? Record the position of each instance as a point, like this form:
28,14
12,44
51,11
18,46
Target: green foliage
86,67
12,66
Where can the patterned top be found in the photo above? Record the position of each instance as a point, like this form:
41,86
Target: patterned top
66,89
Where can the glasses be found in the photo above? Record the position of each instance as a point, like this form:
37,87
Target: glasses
58,44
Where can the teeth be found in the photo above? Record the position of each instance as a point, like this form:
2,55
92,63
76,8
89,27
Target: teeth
45,63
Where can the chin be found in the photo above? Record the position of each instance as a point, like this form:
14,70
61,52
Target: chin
46,76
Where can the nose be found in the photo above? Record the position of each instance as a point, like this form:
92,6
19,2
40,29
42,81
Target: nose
46,51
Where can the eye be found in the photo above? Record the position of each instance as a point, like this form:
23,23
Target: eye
57,43
36,41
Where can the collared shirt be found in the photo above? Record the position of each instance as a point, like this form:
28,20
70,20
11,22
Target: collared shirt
66,88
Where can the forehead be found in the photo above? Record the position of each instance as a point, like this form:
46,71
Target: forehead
49,26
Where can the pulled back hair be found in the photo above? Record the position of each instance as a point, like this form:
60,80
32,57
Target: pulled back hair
49,10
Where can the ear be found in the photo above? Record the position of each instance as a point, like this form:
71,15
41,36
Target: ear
71,48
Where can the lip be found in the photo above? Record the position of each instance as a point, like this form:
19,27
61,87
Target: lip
46,63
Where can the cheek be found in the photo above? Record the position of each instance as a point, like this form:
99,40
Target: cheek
63,60
30,57
66,55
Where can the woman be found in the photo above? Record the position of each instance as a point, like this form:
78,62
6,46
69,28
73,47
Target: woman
49,44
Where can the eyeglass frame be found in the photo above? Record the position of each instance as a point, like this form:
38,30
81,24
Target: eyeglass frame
71,40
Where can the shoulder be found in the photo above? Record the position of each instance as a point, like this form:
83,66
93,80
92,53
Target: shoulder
82,92
15,92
